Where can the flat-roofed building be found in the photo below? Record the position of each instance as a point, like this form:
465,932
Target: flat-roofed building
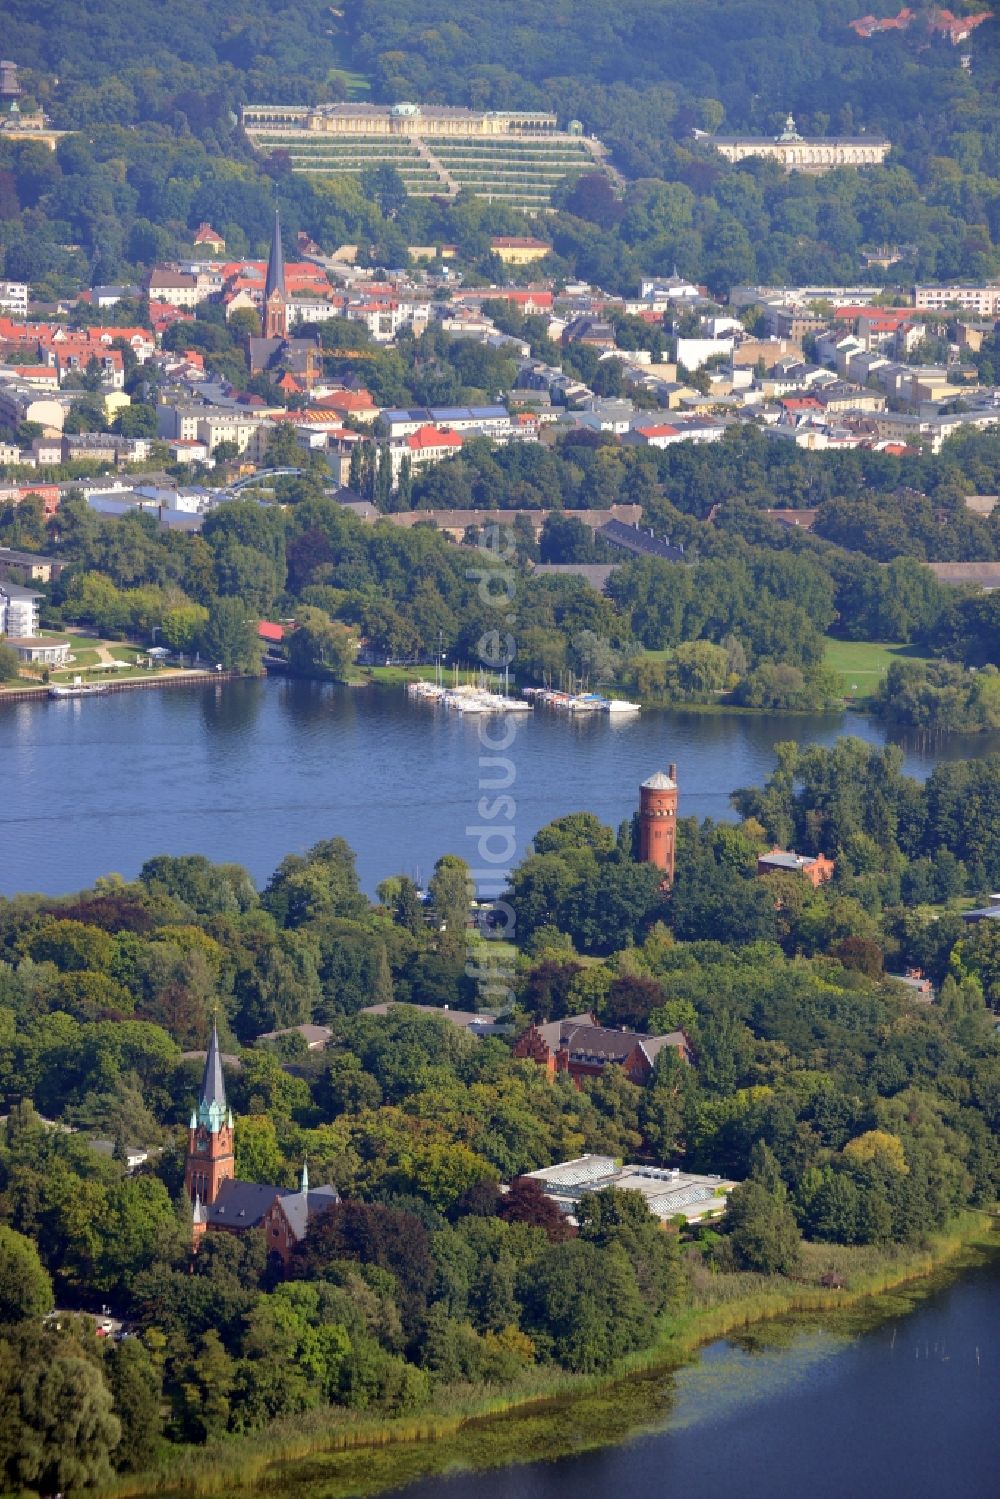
984,299
667,1191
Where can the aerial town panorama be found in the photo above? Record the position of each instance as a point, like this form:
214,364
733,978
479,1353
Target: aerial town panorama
500,743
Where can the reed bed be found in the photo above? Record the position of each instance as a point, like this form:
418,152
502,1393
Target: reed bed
328,1445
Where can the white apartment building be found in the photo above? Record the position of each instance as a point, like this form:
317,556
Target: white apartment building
984,300
18,611
14,298
206,424
176,288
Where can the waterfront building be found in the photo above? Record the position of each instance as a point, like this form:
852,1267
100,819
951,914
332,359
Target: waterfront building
18,610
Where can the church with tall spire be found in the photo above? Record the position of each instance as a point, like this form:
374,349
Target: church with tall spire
219,1200
274,315
274,351
210,1160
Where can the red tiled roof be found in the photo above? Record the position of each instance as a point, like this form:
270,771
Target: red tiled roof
433,437
348,400
272,632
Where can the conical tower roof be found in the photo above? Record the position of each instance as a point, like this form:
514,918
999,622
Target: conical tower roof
213,1087
659,781
275,263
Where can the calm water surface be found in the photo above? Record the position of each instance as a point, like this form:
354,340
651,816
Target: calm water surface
250,771
907,1410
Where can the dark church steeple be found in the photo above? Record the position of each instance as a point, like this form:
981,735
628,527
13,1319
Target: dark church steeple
210,1134
274,322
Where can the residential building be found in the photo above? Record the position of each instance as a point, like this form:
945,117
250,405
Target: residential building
46,452
400,422
592,332
692,353
983,300
792,320
18,610
93,447
21,402
207,238
209,425
427,445
937,21
27,567
675,288
816,868
668,1192
14,298
582,1048
639,541
514,251
173,287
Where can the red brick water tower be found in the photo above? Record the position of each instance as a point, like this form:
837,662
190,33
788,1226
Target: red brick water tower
658,821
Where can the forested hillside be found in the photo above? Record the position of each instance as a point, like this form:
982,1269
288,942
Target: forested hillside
644,77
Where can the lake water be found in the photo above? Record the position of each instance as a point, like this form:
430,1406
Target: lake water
903,1410
249,771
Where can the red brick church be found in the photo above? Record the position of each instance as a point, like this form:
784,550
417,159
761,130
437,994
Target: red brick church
222,1203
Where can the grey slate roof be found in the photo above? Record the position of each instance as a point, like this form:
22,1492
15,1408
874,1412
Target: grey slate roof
639,543
594,573
275,280
300,1207
243,1205
213,1088
780,860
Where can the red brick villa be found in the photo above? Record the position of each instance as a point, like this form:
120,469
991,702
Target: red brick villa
581,1047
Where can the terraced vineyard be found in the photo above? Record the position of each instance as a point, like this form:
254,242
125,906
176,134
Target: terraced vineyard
521,170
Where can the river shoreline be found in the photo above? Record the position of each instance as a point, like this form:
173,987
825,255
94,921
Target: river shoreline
40,694
341,1458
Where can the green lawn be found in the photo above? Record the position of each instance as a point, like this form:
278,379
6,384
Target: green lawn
863,663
